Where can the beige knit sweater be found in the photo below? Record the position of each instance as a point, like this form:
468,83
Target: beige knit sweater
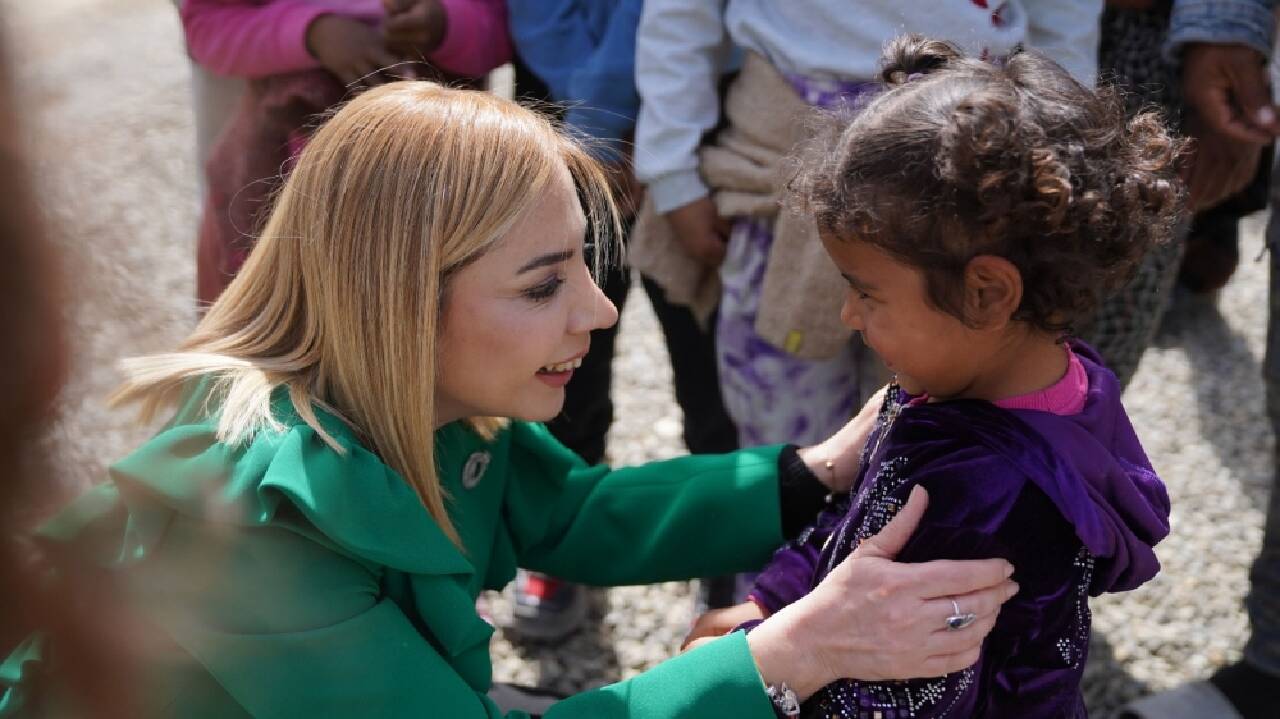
745,169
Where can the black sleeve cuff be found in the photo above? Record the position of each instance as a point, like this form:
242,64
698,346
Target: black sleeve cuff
801,495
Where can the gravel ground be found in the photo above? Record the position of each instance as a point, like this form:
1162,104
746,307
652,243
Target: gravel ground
104,89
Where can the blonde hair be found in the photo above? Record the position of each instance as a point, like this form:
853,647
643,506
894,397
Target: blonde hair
340,300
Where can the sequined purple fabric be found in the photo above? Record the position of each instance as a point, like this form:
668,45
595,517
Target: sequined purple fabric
1071,501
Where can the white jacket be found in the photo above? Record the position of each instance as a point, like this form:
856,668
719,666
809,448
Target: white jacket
683,46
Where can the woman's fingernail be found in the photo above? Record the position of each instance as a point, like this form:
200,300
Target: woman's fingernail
1266,115
1008,570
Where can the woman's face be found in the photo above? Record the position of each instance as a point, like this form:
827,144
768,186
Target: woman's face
519,319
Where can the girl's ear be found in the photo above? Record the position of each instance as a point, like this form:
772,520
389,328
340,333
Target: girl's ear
992,291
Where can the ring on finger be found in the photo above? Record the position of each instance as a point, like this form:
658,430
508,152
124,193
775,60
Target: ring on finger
958,619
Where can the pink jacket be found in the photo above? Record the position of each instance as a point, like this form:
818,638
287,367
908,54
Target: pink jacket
257,38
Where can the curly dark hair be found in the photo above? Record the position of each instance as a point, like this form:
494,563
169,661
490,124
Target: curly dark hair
959,157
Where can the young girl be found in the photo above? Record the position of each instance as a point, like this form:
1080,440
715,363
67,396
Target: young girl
306,537
977,211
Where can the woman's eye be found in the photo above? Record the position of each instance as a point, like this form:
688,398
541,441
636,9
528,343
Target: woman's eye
544,290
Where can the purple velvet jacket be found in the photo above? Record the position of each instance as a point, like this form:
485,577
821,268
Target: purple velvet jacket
1071,501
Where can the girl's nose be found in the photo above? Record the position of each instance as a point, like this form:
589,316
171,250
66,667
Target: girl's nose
849,314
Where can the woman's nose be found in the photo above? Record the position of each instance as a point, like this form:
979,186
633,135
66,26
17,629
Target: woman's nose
594,311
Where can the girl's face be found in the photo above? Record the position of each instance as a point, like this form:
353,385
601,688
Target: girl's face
930,351
518,319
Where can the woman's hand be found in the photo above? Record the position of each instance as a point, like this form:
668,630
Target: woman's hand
719,622
874,619
835,461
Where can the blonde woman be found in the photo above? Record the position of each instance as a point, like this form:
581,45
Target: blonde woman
308,534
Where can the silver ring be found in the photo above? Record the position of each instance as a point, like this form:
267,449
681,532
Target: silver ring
959,620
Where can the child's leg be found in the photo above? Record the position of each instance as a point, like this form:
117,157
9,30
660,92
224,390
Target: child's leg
584,421
707,427
772,395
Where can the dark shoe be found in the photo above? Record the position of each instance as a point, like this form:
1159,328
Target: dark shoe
547,609
1253,693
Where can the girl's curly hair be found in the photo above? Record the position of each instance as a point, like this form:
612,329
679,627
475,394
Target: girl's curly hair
960,157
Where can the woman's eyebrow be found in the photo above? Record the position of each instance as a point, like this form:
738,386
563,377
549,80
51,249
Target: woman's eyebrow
551,258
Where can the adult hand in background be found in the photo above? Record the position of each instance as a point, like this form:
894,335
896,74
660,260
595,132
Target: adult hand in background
1227,88
1231,118
1219,166
701,230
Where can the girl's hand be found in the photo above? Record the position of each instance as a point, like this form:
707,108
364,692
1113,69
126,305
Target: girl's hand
719,622
349,49
874,619
844,448
414,27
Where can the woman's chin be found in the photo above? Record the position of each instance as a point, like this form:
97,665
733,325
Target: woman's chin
540,411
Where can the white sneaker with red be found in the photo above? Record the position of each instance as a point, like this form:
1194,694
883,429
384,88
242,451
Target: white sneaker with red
546,609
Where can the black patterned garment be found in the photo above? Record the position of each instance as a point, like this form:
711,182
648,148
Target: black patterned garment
1131,57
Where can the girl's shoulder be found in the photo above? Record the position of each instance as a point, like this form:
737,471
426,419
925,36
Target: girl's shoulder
978,462
968,431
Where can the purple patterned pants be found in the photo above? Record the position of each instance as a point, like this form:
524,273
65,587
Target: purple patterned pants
772,395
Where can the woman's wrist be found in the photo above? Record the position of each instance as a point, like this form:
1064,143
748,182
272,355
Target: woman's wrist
801,494
780,657
821,462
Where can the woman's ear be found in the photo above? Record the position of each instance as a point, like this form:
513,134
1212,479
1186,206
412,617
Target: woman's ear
992,291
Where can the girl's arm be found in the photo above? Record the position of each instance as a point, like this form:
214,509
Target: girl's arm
791,573
982,507
476,39
246,40
1067,31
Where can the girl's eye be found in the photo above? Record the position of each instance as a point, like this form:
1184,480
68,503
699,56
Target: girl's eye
544,290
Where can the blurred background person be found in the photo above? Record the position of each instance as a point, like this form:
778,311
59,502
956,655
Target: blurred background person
1224,47
298,58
